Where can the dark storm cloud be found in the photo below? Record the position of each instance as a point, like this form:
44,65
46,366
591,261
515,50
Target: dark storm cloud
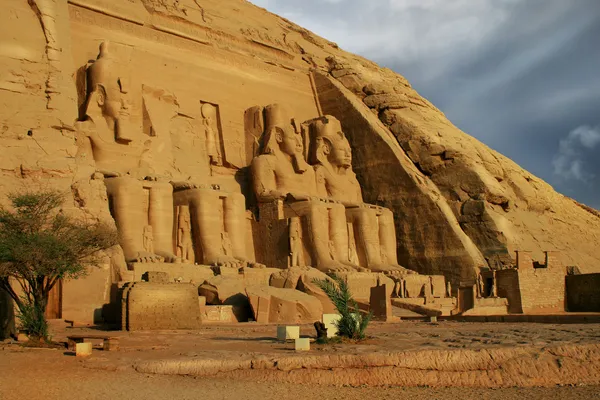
522,76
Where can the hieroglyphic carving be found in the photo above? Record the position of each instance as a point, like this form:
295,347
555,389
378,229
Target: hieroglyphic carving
148,239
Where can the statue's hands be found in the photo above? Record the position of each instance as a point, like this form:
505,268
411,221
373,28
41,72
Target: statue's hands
109,174
294,196
189,185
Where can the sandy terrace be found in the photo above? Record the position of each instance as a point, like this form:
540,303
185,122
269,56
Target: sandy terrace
246,361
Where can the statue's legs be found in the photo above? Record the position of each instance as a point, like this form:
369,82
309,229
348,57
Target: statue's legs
234,214
338,231
387,236
319,218
206,221
160,217
367,235
125,198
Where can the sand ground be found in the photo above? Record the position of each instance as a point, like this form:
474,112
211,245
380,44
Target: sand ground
57,374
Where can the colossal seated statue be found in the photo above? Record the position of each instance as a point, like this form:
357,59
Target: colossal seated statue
210,224
372,226
136,199
281,174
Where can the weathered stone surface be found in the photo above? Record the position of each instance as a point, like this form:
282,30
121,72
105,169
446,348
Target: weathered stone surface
151,306
226,290
380,303
285,305
183,162
156,277
302,279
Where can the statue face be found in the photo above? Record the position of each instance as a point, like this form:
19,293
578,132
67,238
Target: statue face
290,142
341,153
111,103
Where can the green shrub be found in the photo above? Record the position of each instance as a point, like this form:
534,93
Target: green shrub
33,320
352,323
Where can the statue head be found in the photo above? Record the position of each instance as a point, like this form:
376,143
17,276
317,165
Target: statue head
329,144
280,132
281,137
106,92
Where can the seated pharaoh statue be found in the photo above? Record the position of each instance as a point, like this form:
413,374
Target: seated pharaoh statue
141,205
374,246
281,174
147,207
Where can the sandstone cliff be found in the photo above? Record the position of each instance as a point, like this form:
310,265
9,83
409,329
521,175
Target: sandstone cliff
458,204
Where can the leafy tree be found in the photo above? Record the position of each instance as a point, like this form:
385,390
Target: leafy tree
352,323
39,245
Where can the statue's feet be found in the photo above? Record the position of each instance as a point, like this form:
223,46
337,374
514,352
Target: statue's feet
393,271
254,264
147,257
335,267
170,257
227,262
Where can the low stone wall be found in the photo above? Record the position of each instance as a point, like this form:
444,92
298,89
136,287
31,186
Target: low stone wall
153,306
583,292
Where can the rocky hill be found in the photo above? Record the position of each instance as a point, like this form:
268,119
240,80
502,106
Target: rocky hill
458,204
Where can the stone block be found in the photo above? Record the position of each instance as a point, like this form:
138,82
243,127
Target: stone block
218,314
380,303
153,306
156,277
360,283
414,285
260,307
229,291
185,272
330,321
284,305
302,344
22,338
83,349
524,259
438,283
285,332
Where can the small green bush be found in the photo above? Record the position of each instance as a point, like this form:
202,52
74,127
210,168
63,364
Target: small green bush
352,323
32,319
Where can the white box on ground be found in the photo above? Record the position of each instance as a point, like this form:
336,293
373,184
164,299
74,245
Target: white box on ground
83,349
330,322
288,332
302,344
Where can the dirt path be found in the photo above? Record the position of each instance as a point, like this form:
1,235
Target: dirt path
49,375
54,374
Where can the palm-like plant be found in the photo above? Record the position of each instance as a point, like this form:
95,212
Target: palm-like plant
352,323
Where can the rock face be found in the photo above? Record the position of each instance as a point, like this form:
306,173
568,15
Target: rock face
158,131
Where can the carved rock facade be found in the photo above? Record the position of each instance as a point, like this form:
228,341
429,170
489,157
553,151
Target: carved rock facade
173,118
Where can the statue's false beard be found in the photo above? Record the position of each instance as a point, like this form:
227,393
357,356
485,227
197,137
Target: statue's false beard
299,163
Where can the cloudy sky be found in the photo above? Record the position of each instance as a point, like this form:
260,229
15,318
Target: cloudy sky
522,76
